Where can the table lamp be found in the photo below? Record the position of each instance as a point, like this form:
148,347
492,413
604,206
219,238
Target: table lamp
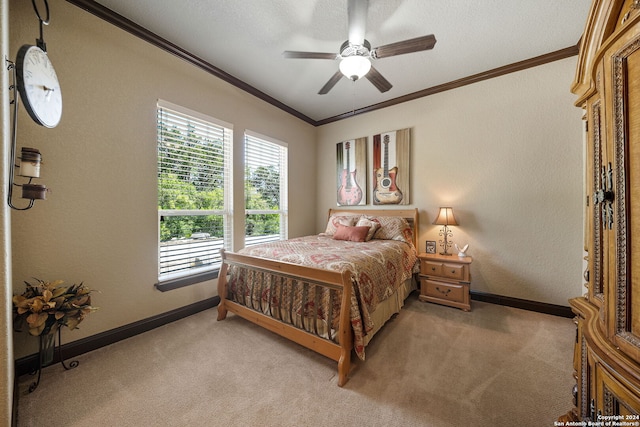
445,218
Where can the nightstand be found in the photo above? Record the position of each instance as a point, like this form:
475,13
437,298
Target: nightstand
445,279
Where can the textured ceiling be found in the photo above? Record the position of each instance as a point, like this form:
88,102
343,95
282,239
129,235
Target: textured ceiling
246,38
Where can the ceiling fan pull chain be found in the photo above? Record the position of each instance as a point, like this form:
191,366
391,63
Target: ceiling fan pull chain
353,98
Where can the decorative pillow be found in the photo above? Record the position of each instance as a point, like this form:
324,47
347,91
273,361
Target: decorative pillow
352,234
337,220
393,228
373,226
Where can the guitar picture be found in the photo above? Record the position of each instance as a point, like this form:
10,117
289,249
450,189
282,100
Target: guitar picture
349,192
386,191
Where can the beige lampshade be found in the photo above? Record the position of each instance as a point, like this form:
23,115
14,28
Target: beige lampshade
446,217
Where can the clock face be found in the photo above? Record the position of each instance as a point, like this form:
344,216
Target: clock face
38,86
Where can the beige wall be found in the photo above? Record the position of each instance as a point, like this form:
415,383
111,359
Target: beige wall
99,224
507,155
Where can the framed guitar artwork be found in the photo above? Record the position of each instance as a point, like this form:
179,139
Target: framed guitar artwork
391,152
351,168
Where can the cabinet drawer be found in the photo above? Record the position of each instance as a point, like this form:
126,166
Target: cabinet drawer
613,397
445,291
431,268
448,270
453,271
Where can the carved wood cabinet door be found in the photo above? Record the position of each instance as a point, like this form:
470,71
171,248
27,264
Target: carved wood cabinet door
599,212
622,256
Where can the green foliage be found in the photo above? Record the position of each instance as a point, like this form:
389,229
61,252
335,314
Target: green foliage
177,194
262,192
266,181
262,224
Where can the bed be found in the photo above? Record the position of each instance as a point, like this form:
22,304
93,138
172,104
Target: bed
329,292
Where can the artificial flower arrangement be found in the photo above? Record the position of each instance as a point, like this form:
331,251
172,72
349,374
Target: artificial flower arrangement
45,306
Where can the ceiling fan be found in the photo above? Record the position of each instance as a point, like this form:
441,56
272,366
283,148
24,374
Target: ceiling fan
355,54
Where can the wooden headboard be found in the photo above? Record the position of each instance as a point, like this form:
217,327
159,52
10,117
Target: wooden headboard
411,215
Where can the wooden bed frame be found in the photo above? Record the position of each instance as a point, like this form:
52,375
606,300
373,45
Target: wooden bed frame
341,281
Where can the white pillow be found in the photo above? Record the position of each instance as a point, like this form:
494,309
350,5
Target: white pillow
373,226
336,220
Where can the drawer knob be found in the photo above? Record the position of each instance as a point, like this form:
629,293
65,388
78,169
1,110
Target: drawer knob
443,292
453,271
433,269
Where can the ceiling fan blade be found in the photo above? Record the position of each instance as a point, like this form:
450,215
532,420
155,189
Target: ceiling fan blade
308,55
357,10
378,80
406,46
331,83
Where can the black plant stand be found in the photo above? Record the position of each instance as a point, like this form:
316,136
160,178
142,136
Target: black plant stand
41,356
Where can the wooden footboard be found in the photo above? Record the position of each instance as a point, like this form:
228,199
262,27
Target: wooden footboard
339,351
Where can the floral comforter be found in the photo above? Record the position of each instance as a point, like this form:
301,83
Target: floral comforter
379,267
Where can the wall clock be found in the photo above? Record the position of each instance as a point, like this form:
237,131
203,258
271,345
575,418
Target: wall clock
38,86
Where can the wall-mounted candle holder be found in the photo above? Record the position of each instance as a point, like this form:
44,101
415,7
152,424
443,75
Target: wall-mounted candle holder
30,162
29,167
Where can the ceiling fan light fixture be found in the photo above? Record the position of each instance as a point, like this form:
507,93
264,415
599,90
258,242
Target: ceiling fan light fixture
355,67
355,54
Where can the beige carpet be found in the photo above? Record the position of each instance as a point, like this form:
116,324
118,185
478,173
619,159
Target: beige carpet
430,366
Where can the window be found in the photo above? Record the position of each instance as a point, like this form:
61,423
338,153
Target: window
194,195
265,189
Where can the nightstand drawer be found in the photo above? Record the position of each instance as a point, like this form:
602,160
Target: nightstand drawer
430,268
444,269
445,291
453,271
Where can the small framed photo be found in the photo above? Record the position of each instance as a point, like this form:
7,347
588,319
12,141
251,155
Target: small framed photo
431,247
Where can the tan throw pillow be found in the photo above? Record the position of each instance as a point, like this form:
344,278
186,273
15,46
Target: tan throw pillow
393,228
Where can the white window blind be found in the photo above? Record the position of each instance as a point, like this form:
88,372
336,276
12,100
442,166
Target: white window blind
194,191
266,189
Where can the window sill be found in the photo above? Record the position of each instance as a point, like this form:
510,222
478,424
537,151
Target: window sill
168,285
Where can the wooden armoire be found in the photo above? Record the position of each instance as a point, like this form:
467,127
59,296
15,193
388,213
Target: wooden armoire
607,84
